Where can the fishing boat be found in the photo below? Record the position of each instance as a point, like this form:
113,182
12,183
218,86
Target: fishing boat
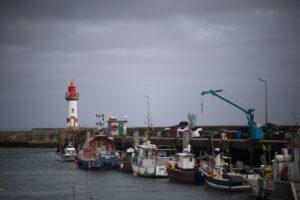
143,161
163,155
124,162
150,161
182,168
97,152
218,175
66,154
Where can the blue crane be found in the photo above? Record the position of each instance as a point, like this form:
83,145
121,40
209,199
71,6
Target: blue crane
256,132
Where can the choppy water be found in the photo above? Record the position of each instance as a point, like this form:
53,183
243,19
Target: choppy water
35,174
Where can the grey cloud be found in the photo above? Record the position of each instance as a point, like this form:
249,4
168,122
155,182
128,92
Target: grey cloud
118,50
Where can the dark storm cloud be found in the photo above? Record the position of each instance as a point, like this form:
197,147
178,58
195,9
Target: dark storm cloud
118,50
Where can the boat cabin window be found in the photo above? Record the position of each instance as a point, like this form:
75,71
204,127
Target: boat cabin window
70,152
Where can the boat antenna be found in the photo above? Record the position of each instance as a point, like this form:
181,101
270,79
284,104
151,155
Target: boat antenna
100,121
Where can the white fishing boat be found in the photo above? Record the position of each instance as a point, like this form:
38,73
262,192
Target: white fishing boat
143,161
150,160
163,155
66,154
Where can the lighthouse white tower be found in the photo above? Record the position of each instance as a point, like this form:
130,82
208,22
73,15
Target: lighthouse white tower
72,98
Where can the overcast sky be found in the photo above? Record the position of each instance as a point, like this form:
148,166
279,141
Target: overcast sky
116,51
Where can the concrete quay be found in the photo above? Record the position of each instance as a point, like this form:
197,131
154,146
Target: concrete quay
206,143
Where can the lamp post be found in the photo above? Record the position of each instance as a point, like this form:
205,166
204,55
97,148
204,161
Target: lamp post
148,118
266,97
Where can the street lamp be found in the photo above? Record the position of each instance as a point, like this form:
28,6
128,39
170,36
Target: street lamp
266,97
148,118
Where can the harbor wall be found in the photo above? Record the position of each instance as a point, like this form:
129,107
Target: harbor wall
50,137
247,150
40,137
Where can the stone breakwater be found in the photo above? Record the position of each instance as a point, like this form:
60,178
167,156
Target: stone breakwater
47,137
40,137
37,137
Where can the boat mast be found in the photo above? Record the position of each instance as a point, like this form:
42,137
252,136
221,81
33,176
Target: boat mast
100,121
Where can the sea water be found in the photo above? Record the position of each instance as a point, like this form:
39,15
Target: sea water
34,173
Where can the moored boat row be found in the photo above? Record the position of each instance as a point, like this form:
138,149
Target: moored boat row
149,160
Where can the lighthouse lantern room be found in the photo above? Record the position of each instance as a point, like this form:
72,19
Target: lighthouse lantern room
72,98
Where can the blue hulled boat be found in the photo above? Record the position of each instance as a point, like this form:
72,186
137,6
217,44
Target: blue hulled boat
97,152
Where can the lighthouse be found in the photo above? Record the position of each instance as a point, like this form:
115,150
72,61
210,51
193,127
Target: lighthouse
72,98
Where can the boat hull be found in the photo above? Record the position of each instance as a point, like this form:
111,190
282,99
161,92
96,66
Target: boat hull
272,189
63,158
143,171
103,161
230,184
124,164
161,171
184,175
124,167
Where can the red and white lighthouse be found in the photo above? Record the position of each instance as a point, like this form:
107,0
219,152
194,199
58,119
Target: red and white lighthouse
72,98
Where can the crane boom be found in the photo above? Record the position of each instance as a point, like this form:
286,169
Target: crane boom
214,92
256,133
